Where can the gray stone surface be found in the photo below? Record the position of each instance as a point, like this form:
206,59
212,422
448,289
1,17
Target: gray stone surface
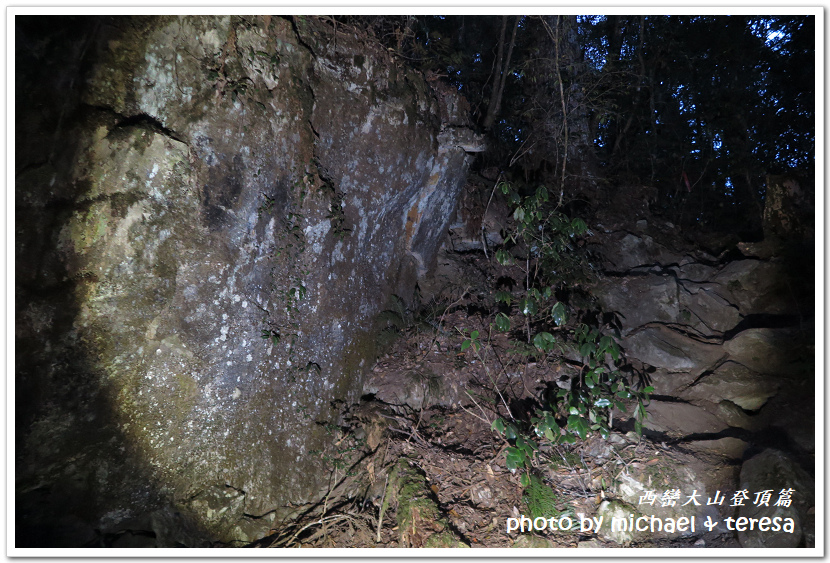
662,347
640,299
764,350
234,202
774,471
624,251
680,419
756,287
736,383
703,309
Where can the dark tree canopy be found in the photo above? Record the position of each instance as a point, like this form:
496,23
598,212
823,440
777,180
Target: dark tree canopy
701,107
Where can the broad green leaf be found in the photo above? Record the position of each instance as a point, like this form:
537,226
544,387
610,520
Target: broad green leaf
528,306
551,422
503,257
544,341
502,322
558,314
586,350
581,428
578,226
524,480
512,460
615,351
605,343
498,425
519,214
577,424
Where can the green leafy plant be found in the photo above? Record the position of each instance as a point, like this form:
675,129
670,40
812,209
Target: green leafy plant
542,245
540,499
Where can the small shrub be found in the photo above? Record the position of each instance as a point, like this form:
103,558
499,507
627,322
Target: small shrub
543,246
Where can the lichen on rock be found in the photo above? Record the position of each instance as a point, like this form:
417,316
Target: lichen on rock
233,210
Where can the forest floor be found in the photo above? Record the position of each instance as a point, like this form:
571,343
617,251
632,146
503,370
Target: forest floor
433,406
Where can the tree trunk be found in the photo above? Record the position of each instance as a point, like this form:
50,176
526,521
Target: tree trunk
502,69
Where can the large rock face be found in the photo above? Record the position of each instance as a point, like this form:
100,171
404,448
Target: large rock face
227,204
727,343
721,335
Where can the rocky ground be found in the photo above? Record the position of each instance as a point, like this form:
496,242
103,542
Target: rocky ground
432,405
427,415
462,462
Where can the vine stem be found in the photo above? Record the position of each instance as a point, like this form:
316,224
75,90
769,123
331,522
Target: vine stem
483,234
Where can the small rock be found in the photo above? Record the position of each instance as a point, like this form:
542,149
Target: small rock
481,495
532,541
609,510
